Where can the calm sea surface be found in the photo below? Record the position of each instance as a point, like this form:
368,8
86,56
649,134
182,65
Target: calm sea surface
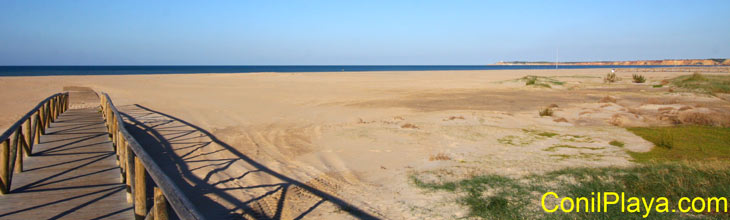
130,70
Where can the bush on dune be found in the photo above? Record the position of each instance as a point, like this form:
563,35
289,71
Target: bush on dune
611,78
638,78
704,83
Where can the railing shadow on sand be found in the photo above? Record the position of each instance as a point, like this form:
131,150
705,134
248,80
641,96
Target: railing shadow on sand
181,147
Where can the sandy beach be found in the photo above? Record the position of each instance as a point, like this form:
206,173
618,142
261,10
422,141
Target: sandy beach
361,136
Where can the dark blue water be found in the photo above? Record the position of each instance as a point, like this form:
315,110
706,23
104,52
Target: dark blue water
130,70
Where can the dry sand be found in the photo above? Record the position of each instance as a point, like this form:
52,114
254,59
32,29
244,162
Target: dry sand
356,138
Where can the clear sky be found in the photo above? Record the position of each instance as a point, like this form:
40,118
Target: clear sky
93,32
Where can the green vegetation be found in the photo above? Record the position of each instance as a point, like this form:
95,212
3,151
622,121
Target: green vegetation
616,143
611,78
540,81
580,156
515,140
501,204
498,197
680,143
577,76
657,86
555,147
638,78
546,112
704,83
546,134
576,138
693,162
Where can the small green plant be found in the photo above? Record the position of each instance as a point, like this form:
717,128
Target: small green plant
657,86
530,80
546,112
638,78
540,81
666,140
611,78
616,143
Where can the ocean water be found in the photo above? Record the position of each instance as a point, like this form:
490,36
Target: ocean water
132,70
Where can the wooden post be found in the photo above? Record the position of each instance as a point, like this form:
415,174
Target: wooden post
27,139
53,110
140,186
42,120
120,157
56,101
130,173
49,109
160,205
118,148
18,150
37,129
4,172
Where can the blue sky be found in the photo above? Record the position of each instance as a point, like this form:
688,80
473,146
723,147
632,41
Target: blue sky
81,32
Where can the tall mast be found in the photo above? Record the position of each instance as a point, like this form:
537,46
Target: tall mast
556,58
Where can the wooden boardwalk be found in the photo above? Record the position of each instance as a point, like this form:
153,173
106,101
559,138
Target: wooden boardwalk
72,174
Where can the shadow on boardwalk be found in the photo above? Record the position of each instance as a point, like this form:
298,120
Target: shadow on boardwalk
223,182
72,174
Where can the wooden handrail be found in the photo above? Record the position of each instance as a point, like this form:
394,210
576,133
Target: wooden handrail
16,140
136,163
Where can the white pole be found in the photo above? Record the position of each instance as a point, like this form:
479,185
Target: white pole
556,58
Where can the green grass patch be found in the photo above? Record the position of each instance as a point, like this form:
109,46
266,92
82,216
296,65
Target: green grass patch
696,165
579,156
616,143
578,76
515,140
498,197
704,83
546,134
540,81
657,86
558,146
684,143
539,133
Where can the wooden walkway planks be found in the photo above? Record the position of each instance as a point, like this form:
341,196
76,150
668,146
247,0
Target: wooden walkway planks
73,174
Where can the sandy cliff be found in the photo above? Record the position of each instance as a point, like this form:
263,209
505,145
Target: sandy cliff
683,62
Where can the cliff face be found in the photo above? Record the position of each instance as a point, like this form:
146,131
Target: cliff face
685,62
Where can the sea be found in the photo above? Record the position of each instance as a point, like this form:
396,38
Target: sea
137,70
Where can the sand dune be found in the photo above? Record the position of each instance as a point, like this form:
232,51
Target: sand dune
355,138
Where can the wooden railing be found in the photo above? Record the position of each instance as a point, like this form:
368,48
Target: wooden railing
136,163
18,142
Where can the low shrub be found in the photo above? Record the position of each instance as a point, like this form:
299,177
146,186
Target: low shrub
611,78
546,112
638,78
616,143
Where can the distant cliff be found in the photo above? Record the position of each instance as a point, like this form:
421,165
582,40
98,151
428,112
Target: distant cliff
684,62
